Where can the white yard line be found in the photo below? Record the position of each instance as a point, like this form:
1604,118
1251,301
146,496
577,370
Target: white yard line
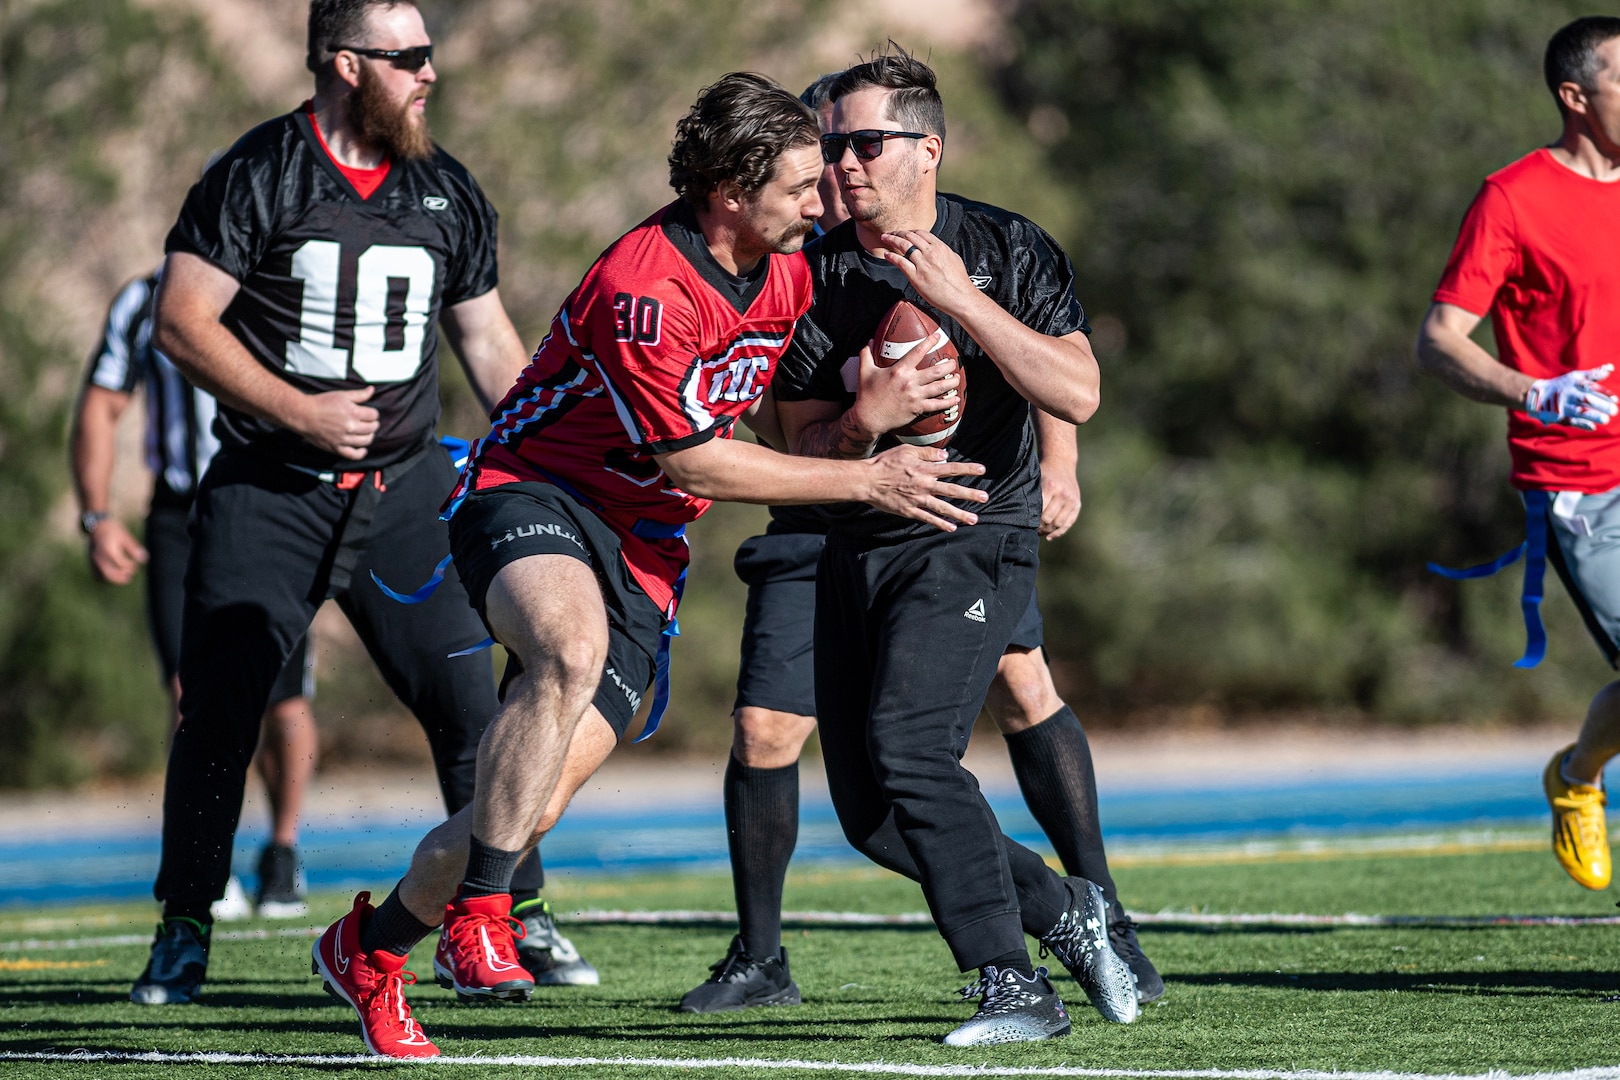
883,1068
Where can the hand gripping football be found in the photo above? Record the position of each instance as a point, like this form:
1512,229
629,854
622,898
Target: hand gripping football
901,330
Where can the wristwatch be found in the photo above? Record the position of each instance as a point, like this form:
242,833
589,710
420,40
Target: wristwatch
91,518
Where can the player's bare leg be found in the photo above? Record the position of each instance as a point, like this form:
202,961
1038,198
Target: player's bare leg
768,739
441,856
1052,760
1599,740
1573,781
547,610
286,761
1022,694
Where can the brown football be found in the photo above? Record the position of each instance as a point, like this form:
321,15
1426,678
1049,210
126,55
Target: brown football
898,332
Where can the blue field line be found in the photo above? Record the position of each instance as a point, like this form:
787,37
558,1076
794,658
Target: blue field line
121,865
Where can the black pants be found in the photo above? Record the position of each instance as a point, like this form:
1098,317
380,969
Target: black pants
908,637
168,546
263,541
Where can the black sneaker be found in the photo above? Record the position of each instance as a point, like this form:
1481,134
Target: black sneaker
1012,1009
545,953
174,975
281,893
1080,941
741,982
1122,936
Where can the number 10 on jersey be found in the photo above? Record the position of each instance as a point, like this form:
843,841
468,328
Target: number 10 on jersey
393,295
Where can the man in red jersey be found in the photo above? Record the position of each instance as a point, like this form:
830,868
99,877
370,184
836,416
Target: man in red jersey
1536,254
567,523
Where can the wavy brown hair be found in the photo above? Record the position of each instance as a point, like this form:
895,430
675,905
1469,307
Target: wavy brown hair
736,130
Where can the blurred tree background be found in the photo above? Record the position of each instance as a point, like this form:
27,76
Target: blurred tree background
1258,196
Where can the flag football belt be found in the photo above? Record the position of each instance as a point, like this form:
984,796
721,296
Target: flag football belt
1534,552
356,526
459,451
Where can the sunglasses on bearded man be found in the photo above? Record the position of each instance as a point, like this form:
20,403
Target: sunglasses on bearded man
412,59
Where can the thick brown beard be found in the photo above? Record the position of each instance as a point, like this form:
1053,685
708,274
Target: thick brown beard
385,124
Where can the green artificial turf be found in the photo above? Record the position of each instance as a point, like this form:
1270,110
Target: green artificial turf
1430,1000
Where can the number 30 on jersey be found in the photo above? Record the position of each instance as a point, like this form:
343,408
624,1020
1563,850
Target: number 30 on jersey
393,296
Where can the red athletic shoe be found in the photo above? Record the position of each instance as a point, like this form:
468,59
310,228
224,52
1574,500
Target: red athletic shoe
373,983
477,953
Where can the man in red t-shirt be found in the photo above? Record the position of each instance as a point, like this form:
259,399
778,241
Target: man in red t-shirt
1536,253
567,523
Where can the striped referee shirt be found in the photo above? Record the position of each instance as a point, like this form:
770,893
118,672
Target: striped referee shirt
179,417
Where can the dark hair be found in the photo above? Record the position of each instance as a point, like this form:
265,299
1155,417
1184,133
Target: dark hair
736,130
1572,53
338,22
819,92
914,104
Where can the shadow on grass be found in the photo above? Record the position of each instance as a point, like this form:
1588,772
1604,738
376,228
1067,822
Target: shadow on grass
213,995
1493,983
1167,929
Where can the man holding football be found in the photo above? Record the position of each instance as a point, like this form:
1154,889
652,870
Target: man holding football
775,713
911,625
567,523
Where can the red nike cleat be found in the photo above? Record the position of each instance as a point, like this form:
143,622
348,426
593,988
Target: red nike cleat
374,984
477,953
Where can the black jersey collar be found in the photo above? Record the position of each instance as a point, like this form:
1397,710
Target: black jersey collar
842,243
312,142
680,225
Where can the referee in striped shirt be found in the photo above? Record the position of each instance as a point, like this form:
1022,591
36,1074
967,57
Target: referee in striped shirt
179,444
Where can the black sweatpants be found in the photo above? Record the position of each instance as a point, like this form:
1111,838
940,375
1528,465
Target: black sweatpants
264,538
908,637
168,547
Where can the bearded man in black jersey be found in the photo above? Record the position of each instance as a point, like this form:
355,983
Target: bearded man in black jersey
305,280
911,623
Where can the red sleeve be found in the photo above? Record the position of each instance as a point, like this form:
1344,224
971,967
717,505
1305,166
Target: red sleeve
1486,253
642,337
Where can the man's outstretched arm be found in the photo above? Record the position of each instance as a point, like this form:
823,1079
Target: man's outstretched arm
909,481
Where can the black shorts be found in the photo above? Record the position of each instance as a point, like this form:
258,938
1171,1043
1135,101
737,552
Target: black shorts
777,669
168,543
498,526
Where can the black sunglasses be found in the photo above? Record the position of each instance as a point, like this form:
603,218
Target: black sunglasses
411,59
867,143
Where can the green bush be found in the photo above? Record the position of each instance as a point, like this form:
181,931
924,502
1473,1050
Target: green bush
1265,194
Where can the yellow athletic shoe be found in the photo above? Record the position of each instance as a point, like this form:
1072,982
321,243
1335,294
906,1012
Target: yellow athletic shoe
1580,835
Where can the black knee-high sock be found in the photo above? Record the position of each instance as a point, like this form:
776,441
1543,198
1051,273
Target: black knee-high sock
392,928
762,827
1052,761
489,869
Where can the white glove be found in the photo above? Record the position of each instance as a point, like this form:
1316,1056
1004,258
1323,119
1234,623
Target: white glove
1573,399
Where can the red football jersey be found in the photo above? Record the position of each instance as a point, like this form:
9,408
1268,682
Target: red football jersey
1536,254
658,349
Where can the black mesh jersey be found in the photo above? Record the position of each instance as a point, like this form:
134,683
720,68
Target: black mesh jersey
1020,267
794,518
338,291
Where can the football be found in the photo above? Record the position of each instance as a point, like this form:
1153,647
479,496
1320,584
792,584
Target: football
900,331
